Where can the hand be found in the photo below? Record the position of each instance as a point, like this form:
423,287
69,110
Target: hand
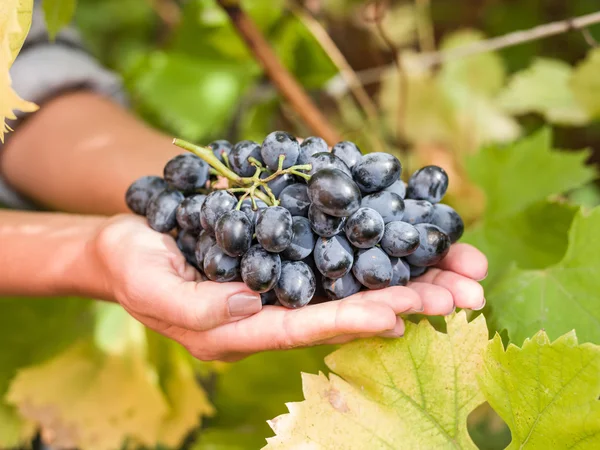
147,274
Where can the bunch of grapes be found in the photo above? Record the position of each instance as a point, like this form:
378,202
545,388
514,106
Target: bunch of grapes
299,220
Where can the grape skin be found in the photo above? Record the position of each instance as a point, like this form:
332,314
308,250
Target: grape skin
400,272
417,211
323,224
141,191
309,147
295,199
448,220
204,244
274,229
220,267
233,232
326,160
434,246
186,172
238,158
333,256
161,210
221,149
373,268
334,193
188,213
215,205
400,239
303,241
348,152
278,184
428,183
416,271
296,285
260,269
276,144
364,228
186,242
376,171
388,204
398,188
269,298
341,287
252,214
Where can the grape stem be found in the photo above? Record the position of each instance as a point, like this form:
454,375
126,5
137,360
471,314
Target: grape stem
247,186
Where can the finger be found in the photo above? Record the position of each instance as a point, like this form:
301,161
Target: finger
274,328
466,292
465,260
396,332
199,306
437,301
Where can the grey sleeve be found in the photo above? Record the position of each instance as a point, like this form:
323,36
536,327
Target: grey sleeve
44,70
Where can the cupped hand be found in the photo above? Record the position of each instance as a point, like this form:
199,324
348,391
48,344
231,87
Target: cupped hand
146,273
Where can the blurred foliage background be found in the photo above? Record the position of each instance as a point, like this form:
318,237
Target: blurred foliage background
189,73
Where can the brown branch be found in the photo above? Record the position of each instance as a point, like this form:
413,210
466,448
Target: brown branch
279,75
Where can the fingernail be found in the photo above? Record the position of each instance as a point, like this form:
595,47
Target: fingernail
396,332
481,307
484,277
415,311
452,312
244,304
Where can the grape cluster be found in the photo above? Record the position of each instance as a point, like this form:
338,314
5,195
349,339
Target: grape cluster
300,220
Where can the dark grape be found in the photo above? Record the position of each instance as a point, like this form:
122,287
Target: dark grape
186,173
448,220
276,144
341,287
334,193
268,298
400,239
416,271
274,229
303,240
400,272
295,199
277,185
397,187
434,246
186,242
327,160
233,232
296,285
215,205
161,210
373,268
141,191
376,171
323,224
417,211
220,267
333,256
221,149
188,213
205,242
260,269
238,158
364,228
310,262
252,214
388,204
347,152
428,183
309,147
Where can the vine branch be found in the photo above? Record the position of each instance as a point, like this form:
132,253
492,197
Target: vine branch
279,75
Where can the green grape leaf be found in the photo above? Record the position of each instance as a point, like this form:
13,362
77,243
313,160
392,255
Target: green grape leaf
252,391
414,392
544,88
586,84
547,392
58,14
192,98
559,298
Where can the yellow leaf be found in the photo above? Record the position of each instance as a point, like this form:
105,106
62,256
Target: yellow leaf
409,393
86,399
15,21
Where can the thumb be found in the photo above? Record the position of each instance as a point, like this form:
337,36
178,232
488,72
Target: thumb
201,306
